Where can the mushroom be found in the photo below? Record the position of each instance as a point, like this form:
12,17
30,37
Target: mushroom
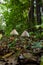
14,32
25,34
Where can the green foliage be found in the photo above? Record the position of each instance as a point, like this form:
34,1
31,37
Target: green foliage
16,15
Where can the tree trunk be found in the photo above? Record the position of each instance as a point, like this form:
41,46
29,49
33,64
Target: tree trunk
38,13
31,15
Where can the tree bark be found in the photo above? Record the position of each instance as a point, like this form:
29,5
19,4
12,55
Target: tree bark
38,13
31,15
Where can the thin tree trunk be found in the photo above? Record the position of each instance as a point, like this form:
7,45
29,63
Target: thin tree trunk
42,5
38,13
31,14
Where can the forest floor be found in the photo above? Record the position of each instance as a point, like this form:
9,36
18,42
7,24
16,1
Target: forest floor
12,60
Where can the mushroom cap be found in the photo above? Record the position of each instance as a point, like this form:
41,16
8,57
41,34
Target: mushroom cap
14,32
25,34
